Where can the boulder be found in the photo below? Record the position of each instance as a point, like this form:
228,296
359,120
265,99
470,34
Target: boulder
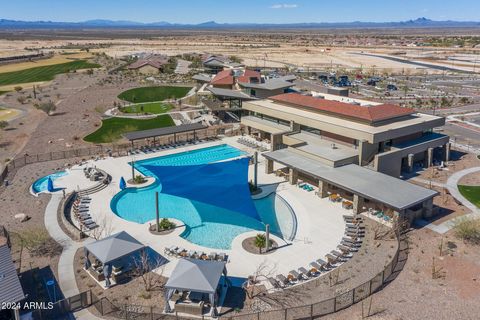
22,217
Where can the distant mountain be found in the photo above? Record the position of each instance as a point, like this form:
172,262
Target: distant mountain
101,23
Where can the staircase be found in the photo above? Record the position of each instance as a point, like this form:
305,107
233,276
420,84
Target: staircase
99,186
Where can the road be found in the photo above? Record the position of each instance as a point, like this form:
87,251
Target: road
415,63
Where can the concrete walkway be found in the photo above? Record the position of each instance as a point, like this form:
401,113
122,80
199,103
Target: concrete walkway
66,268
452,186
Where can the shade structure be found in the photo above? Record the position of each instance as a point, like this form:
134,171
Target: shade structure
122,183
114,247
221,184
202,276
50,184
196,275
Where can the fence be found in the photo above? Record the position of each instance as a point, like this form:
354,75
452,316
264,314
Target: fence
339,302
4,233
63,308
115,150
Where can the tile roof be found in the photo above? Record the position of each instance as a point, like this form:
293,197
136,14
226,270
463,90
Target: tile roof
248,75
156,62
224,77
363,113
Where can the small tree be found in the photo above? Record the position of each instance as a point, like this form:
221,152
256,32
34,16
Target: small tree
260,241
47,107
18,88
3,124
144,266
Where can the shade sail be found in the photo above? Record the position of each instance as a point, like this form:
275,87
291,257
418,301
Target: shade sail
222,184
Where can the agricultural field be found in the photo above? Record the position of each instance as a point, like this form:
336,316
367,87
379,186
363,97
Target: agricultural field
471,193
151,94
113,128
44,73
151,107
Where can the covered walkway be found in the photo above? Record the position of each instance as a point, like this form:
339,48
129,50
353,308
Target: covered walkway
363,183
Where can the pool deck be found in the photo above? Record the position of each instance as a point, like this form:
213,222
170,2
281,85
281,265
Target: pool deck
320,222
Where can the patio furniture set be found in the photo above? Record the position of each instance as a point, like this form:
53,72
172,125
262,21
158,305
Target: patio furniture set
179,252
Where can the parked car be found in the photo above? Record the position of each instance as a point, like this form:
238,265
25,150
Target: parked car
392,87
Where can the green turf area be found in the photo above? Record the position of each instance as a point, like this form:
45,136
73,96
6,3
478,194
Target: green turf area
472,193
113,128
44,73
151,94
151,107
3,92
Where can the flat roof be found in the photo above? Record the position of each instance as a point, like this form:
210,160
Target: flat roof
11,288
323,148
393,192
271,84
136,135
274,127
235,94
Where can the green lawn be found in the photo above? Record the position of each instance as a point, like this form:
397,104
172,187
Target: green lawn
44,73
150,94
3,92
151,107
472,193
113,128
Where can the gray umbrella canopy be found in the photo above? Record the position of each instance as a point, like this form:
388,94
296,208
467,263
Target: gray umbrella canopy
114,247
196,275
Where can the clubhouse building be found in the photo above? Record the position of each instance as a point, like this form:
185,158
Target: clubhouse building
356,146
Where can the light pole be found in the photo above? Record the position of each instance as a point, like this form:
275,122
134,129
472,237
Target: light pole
133,168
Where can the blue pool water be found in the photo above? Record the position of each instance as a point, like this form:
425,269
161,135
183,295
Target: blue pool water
207,193
41,185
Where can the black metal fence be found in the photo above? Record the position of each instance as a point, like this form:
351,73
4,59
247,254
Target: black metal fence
61,309
340,301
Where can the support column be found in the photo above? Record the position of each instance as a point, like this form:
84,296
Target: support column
322,189
427,208
410,162
268,166
446,149
357,204
429,158
293,176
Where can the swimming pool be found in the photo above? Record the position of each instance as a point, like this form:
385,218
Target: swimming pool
41,185
207,193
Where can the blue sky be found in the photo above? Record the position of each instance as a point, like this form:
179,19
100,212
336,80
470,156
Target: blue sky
259,11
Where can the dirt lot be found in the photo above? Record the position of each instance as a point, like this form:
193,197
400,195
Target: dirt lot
452,293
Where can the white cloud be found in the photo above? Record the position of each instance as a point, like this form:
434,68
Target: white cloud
284,6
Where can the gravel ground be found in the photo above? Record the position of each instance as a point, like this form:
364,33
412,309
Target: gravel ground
453,294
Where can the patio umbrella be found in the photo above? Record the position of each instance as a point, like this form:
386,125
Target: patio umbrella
123,184
50,185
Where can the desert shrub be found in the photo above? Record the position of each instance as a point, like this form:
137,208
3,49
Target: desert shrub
166,224
39,243
468,230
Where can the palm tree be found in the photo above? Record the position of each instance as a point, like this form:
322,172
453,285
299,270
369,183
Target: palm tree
260,241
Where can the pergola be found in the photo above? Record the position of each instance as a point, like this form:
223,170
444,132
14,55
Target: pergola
199,276
158,132
111,249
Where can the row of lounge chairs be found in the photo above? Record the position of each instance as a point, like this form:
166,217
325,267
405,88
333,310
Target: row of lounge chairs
166,146
176,251
351,243
81,211
252,144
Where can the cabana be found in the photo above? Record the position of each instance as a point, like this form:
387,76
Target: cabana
200,278
109,250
